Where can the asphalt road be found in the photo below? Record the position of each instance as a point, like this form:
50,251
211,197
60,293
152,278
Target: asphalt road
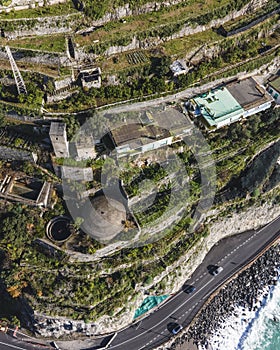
232,254
9,343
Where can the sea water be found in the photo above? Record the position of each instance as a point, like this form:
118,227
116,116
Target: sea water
264,333
252,330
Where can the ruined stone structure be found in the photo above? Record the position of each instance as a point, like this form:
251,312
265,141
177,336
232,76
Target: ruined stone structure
26,190
12,154
59,139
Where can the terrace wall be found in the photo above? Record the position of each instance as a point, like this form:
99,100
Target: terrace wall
17,5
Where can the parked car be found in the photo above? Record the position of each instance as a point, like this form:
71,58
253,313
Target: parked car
177,329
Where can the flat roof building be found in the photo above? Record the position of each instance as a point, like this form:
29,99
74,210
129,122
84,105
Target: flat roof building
218,107
136,138
85,148
91,78
226,104
148,131
178,67
274,88
248,93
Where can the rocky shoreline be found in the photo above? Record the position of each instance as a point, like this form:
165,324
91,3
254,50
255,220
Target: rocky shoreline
245,292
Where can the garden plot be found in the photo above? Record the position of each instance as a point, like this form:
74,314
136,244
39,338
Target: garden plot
136,57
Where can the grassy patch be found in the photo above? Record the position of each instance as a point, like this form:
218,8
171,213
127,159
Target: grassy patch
138,24
50,70
180,47
53,43
120,62
54,10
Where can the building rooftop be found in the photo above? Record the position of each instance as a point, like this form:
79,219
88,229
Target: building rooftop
217,105
77,174
178,67
130,131
84,141
248,93
104,218
173,120
275,83
137,134
57,128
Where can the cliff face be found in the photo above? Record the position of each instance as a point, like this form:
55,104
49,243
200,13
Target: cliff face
39,26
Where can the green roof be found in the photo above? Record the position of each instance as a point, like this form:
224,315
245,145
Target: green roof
218,105
275,84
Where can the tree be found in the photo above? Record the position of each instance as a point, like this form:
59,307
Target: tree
78,223
161,66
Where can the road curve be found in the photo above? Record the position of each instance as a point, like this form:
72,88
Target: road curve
10,343
233,254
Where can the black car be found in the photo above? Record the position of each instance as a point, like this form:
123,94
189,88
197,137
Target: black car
189,289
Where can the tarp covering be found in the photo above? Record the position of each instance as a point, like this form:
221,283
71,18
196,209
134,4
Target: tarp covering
148,304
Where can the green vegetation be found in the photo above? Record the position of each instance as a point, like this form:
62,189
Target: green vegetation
249,18
46,278
34,87
153,78
157,24
54,10
246,140
178,48
53,43
5,2
95,9
87,290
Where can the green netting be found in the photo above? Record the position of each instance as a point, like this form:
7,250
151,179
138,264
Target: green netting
148,304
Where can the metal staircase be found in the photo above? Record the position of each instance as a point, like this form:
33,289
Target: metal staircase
18,78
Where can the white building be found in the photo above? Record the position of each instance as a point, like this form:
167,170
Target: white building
178,67
227,104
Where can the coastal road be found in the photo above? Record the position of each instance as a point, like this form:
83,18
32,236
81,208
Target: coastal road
232,254
10,343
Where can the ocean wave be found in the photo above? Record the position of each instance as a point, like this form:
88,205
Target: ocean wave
265,330
256,329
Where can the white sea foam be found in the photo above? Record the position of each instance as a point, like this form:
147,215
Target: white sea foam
233,332
265,332
258,329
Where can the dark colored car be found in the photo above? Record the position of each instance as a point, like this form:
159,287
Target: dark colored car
189,289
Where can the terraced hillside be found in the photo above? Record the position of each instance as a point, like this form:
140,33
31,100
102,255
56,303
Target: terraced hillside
134,52
134,43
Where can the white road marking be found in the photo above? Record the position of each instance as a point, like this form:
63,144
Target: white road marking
12,346
256,233
164,319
